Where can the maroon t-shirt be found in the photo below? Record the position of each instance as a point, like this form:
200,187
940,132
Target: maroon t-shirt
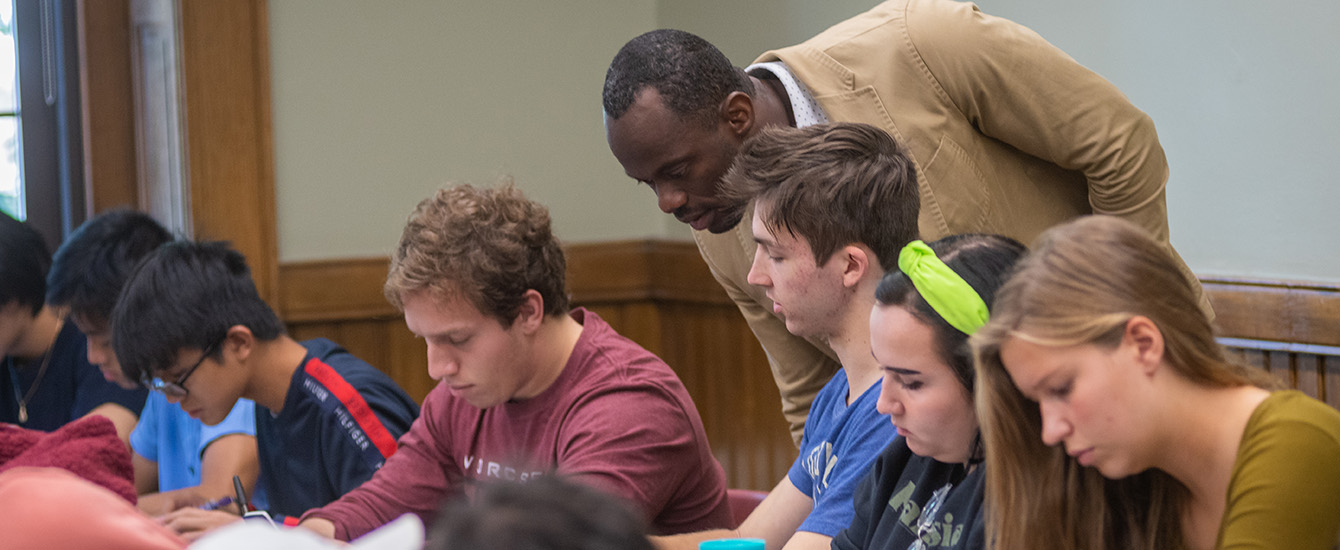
616,418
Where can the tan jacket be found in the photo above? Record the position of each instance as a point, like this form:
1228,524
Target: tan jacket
1008,133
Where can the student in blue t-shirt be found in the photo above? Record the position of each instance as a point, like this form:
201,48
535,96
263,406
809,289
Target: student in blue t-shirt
191,325
821,252
178,461
170,450
45,378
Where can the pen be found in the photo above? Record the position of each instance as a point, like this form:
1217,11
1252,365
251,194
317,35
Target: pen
241,496
215,505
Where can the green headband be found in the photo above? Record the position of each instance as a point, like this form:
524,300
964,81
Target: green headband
946,292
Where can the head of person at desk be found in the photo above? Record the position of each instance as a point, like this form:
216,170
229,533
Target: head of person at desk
190,324
495,318
24,262
199,355
88,272
676,113
45,378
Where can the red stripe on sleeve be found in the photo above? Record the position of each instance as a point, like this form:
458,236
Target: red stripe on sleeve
291,521
354,403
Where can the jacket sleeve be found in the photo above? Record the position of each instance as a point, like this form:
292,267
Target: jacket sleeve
799,366
1014,86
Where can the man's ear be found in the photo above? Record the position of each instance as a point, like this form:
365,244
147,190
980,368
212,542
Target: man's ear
737,113
1145,341
239,342
855,264
531,314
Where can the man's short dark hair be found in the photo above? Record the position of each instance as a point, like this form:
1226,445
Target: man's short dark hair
24,260
93,263
692,76
185,295
546,513
833,184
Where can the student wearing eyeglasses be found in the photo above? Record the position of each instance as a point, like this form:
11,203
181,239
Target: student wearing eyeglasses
191,325
178,460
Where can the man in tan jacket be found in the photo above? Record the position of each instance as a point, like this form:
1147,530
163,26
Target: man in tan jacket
1009,135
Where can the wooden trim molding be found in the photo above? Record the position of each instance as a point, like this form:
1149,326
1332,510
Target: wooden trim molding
334,290
1276,311
110,171
225,61
622,271
650,270
641,270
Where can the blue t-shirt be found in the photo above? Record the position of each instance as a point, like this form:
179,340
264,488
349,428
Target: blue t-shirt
169,437
839,445
70,388
340,421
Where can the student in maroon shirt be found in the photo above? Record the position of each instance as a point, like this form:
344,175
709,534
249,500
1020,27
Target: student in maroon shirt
527,387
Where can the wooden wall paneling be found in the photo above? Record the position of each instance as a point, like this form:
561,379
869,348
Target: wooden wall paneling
1278,311
226,90
411,361
335,289
366,338
1331,380
1290,329
108,108
1307,376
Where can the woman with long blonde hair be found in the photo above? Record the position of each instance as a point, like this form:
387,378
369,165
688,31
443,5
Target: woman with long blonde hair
1112,419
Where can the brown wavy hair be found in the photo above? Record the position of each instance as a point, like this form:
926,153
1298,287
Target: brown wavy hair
1080,285
833,184
487,246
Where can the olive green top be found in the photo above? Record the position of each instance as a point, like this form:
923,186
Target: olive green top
1285,489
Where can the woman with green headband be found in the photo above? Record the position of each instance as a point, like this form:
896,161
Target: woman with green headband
1113,420
925,490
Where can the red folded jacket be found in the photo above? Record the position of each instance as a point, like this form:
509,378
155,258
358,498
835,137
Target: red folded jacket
88,448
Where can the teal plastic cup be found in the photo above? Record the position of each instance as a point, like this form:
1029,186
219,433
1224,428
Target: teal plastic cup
732,544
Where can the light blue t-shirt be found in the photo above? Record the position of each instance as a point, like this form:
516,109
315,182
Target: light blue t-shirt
174,440
839,445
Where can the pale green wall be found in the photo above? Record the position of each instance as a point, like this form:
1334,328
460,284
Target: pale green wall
1243,94
377,104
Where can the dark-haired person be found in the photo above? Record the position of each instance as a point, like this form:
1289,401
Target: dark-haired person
926,489
821,252
547,513
190,324
1008,133
178,460
528,386
47,380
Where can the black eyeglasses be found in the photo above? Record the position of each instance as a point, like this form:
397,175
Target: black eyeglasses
177,390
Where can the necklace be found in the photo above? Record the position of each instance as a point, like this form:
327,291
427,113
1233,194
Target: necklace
37,380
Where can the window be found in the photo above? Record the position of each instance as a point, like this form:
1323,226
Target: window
41,149
11,190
